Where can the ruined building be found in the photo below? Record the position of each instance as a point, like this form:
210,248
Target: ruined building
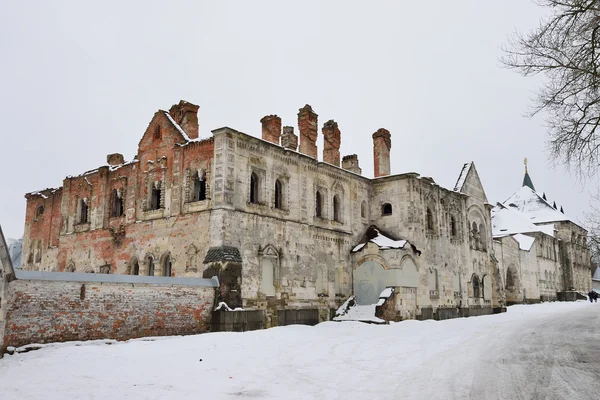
279,228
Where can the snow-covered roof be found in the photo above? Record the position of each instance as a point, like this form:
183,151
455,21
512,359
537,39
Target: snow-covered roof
525,242
534,207
462,177
508,221
384,242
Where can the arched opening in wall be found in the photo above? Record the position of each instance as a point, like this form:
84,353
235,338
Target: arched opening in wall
476,286
70,267
456,284
105,269
199,193
336,208
386,209
510,279
167,265
192,259
482,238
267,284
278,194
318,205
429,220
83,211
254,195
452,226
150,264
117,203
157,133
155,196
30,258
134,266
475,240
89,270
338,283
39,211
363,209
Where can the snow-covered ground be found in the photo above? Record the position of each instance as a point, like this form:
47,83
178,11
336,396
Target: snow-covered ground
546,351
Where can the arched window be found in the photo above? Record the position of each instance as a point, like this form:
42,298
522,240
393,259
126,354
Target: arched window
482,237
386,209
199,193
38,252
117,203
429,220
134,267
510,279
475,243
452,226
363,209
254,198
167,265
318,204
157,134
83,211
433,281
476,286
70,267
155,196
39,211
278,194
336,208
150,263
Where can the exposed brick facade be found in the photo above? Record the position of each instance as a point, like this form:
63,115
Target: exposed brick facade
57,311
331,143
382,143
307,126
271,128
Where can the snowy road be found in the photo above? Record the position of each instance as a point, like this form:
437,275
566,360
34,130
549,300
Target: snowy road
547,351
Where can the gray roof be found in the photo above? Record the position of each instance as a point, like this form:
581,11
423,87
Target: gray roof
223,253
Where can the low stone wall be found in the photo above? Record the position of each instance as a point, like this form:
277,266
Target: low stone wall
238,321
44,307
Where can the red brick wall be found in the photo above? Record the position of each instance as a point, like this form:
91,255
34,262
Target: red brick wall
57,311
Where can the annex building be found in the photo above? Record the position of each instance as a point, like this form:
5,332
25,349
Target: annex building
284,231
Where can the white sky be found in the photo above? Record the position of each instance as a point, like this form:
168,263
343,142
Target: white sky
83,79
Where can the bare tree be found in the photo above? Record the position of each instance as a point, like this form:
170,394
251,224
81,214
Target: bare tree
565,49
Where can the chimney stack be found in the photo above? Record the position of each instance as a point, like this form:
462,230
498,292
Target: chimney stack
186,115
271,128
350,163
115,159
331,143
288,139
382,143
307,125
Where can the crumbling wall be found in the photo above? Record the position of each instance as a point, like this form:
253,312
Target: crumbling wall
45,311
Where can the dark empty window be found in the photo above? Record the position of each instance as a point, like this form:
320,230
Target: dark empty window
199,188
117,204
167,266
39,211
157,132
476,287
318,204
254,188
155,197
278,195
386,209
83,212
135,267
336,208
452,226
429,220
150,262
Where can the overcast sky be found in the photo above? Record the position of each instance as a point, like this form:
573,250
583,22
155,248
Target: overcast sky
80,80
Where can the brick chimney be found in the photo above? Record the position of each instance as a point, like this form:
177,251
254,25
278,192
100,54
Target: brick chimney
288,139
331,143
382,143
115,159
186,115
307,125
271,128
350,163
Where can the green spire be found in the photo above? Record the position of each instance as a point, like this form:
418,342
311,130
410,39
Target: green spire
527,179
